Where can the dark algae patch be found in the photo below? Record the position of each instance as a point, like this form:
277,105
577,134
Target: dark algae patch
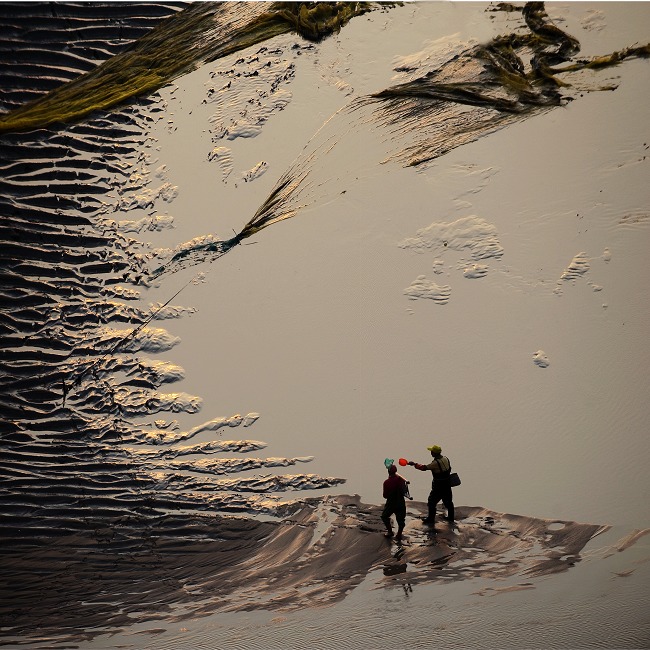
200,33
483,89
512,74
506,79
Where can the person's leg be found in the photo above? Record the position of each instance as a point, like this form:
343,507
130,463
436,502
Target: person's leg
432,502
447,501
400,516
385,517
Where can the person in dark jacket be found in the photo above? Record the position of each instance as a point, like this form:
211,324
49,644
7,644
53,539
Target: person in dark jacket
440,469
395,489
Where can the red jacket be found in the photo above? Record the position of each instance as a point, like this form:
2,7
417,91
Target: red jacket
394,487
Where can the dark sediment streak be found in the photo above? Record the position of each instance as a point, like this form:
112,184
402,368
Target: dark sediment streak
474,94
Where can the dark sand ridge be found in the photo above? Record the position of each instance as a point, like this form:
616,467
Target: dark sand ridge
46,45
102,577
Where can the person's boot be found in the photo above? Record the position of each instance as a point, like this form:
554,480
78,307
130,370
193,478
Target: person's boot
400,530
430,519
389,531
450,514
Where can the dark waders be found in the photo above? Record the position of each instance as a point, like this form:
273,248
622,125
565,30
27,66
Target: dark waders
440,491
394,506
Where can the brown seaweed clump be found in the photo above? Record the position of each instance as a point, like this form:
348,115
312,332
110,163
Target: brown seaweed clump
202,32
484,89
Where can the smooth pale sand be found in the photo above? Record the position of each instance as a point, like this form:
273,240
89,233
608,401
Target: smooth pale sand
311,328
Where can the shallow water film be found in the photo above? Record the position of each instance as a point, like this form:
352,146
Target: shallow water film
250,250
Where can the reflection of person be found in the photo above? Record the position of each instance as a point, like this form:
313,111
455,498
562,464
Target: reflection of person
395,488
440,468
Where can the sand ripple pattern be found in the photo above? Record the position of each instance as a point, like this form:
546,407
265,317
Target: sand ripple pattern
266,74
423,288
46,45
85,397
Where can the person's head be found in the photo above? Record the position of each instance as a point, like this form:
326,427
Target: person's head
392,470
436,450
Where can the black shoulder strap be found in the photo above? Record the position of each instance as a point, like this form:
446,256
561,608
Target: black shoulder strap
442,471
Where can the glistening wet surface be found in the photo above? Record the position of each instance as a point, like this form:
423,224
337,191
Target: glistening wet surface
124,507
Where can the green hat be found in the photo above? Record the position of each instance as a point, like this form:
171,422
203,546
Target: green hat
436,449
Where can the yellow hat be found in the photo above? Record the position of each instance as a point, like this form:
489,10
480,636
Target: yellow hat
436,449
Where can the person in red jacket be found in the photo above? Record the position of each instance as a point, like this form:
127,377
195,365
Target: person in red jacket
440,468
395,489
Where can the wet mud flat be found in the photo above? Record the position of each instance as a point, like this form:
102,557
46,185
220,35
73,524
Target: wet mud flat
93,577
116,515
